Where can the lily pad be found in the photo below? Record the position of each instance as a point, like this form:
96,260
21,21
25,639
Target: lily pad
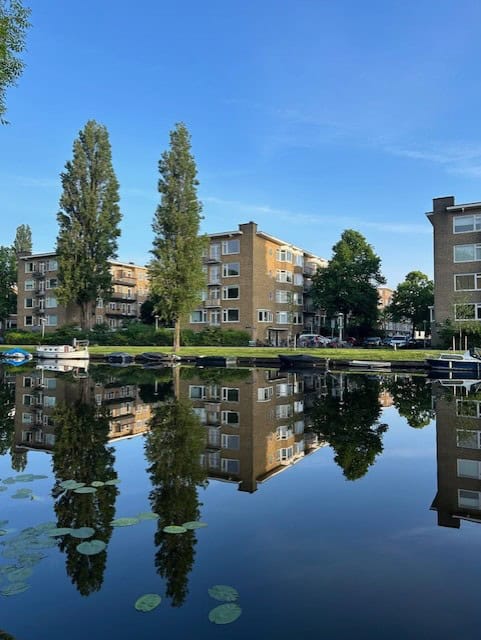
22,494
97,483
112,482
82,532
60,531
25,477
91,547
71,484
124,522
14,588
223,592
194,524
85,490
148,515
173,528
19,575
225,613
2,488
39,477
9,481
147,602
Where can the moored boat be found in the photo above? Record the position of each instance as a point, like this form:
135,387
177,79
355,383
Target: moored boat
16,354
301,360
78,350
369,364
120,357
446,363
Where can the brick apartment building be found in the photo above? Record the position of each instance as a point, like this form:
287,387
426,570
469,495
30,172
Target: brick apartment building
457,261
259,284
37,304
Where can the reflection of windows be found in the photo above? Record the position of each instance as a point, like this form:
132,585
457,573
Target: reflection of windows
230,466
298,406
230,442
201,413
469,469
214,251
284,276
28,303
29,285
230,417
27,418
283,296
299,427
284,255
28,321
467,311
49,401
285,454
467,281
230,395
468,408
469,499
283,432
468,438
196,392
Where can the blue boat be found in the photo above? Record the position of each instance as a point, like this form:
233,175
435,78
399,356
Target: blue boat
16,356
446,363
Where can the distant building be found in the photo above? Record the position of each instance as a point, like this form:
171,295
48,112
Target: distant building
259,284
457,261
390,327
37,303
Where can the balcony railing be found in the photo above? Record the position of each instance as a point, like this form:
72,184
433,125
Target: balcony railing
121,279
212,302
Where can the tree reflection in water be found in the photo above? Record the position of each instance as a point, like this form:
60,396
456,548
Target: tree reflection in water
7,426
348,419
412,397
81,453
173,448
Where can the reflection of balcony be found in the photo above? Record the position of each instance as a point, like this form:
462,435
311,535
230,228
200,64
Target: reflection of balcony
212,302
38,274
214,280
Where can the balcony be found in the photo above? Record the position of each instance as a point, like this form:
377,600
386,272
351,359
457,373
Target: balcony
118,295
119,278
214,280
120,312
212,302
212,406
37,273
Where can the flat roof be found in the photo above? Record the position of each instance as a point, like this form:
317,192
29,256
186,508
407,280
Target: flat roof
52,254
461,207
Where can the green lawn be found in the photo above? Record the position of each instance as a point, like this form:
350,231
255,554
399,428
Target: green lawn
268,352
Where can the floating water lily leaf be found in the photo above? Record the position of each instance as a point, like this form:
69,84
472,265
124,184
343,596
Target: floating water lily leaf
22,494
97,483
85,490
3,532
2,488
13,589
223,592
124,522
112,482
40,477
44,526
30,559
225,613
173,528
148,515
147,602
25,477
194,524
42,543
60,531
71,484
9,481
19,575
91,547
82,532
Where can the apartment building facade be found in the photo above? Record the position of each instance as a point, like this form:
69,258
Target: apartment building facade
457,262
259,284
38,307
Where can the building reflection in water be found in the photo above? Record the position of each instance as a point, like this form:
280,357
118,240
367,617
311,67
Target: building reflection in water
458,450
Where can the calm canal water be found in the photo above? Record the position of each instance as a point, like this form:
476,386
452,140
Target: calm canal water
336,505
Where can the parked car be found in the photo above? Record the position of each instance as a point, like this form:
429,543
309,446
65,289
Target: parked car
335,343
374,341
398,342
312,340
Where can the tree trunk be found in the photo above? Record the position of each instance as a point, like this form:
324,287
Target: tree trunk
176,345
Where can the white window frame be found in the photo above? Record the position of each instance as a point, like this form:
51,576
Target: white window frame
227,250
226,462
475,434
264,315
201,389
475,223
226,312
226,266
284,275
476,311
229,391
227,438
229,287
202,314
224,417
476,252
264,394
461,474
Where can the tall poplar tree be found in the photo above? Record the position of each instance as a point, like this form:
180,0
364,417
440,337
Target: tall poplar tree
23,239
8,281
88,220
176,274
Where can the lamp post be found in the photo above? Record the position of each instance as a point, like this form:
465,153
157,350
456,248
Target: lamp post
156,323
43,322
340,324
424,337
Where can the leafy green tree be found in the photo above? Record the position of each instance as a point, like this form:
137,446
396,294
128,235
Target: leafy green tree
81,453
88,220
176,274
412,398
348,284
8,281
173,447
13,26
412,299
348,419
23,240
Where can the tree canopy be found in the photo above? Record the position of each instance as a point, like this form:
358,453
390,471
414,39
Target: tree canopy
23,239
88,220
176,274
412,299
13,27
348,284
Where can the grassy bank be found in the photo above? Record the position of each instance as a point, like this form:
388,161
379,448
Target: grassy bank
389,355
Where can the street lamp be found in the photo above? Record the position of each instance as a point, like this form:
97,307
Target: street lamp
43,322
424,337
156,322
340,324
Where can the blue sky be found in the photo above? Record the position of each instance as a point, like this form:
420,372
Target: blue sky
307,116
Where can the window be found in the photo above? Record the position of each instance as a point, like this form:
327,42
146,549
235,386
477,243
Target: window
49,401
299,260
50,383
27,382
28,303
27,400
196,392
214,293
230,269
284,255
214,274
214,252
299,427
283,296
201,413
298,279
230,442
28,321
230,246
264,394
51,321
468,408
29,267
215,317
100,303
27,418
230,417
52,283
230,466
52,265
297,298
464,224
468,438
198,316
283,317
50,302
469,469
284,276
283,390
29,285
297,318
285,454
284,411
469,499
468,311
230,293
298,406
230,395
467,252
264,315
283,432
230,315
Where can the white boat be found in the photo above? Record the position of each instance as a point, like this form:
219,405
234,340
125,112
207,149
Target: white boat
63,366
76,351
369,364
